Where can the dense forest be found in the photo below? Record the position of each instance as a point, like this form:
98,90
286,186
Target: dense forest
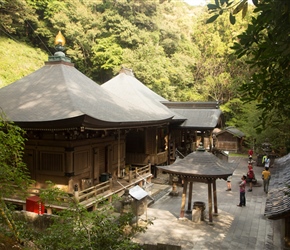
168,45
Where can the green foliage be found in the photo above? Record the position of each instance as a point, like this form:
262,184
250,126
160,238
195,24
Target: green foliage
13,15
265,45
53,195
169,47
16,55
77,228
217,72
13,173
14,176
166,44
247,118
244,117
233,7
106,56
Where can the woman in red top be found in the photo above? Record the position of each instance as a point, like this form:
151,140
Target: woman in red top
250,176
250,152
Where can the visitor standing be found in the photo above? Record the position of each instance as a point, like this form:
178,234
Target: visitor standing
267,162
242,192
264,160
229,183
266,176
251,177
250,153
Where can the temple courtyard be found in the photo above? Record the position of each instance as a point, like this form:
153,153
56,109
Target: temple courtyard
233,228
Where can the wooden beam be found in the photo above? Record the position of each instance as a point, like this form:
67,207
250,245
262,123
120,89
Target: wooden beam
119,154
194,179
209,202
189,206
215,198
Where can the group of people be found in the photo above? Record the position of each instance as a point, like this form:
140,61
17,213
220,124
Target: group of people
250,177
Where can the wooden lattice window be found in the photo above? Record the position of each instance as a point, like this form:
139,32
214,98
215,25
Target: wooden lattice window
53,162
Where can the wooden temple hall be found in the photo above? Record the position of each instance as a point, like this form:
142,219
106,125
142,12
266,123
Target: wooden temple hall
91,140
199,166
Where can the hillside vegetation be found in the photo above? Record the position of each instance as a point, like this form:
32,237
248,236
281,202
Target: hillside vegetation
18,60
167,44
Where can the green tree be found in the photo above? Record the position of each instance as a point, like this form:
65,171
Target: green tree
265,44
77,228
41,32
20,60
107,55
246,117
14,176
218,73
125,32
13,15
81,26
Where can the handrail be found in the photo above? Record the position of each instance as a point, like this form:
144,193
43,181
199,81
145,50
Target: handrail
177,151
106,186
91,195
94,191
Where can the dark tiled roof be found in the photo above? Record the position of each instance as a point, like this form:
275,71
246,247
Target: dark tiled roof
278,202
126,86
199,118
58,93
191,105
201,164
198,115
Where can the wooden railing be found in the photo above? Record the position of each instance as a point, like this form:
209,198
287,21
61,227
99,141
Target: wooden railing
138,171
89,197
106,190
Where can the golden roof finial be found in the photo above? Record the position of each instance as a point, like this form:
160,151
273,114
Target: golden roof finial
59,39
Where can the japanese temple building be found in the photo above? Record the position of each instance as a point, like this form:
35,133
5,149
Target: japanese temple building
78,130
192,122
149,144
201,119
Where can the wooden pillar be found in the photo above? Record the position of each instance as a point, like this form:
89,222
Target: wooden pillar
183,199
209,202
69,161
215,198
69,167
76,193
189,207
130,176
111,184
71,185
119,154
174,191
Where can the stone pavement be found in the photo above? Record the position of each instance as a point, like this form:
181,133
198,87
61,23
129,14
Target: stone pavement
234,227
